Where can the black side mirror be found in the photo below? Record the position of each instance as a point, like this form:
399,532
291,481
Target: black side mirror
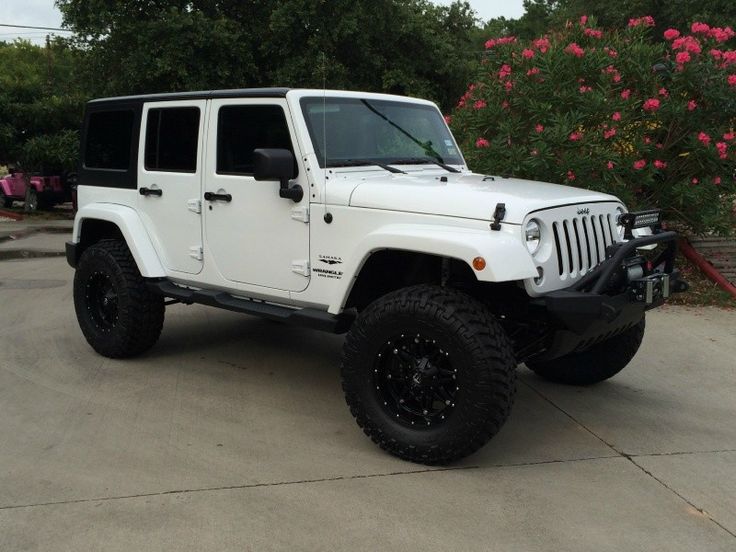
277,164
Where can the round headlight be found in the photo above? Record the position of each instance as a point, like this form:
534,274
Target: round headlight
620,227
532,235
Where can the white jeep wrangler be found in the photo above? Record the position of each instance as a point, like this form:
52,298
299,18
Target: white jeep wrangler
355,212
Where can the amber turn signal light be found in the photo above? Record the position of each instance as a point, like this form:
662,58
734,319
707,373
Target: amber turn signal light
479,263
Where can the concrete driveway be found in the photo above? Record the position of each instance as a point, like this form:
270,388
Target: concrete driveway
232,434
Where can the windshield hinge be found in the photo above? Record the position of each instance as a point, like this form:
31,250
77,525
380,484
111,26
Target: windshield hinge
300,213
498,215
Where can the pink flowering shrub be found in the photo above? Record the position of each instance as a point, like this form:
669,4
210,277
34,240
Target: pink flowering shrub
651,122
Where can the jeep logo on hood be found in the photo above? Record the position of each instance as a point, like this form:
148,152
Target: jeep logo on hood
583,211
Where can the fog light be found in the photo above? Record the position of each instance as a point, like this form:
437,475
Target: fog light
479,263
538,279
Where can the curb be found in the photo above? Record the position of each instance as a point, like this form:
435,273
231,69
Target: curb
11,215
706,268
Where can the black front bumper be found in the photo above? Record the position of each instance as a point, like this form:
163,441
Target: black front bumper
606,301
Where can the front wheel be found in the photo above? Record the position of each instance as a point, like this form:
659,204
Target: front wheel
31,202
117,313
595,364
428,374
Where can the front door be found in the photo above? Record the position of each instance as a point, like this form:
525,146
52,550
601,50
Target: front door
170,159
252,235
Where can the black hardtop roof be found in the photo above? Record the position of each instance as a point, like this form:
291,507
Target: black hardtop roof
198,95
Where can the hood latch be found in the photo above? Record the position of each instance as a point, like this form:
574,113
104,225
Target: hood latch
498,215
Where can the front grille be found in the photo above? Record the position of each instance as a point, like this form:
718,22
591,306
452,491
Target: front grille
581,242
573,243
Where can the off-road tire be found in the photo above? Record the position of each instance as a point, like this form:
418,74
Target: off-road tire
598,363
7,201
31,200
486,372
139,315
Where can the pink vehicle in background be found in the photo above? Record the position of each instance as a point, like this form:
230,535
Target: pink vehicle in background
44,191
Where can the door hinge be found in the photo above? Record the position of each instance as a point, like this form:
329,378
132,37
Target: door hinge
194,205
195,252
300,267
300,213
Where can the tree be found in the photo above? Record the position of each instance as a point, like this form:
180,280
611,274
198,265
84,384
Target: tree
405,46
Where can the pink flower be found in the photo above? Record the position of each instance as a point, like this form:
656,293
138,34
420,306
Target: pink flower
570,175
729,136
610,69
611,52
671,34
505,104
575,136
448,119
646,21
682,57
541,44
583,20
692,105
593,33
663,92
722,148
506,40
617,78
652,104
575,50
609,133
616,116
732,80
716,54
625,93
717,181
508,85
480,104
532,71
687,43
700,28
534,152
490,44
610,165
647,140
704,138
694,180
482,143
660,164
504,72
526,53
539,128
584,89
640,164
721,35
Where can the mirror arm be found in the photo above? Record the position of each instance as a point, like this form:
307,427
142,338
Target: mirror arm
294,193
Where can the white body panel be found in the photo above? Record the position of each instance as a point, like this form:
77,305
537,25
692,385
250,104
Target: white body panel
251,245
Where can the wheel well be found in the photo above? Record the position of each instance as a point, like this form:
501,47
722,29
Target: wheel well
93,230
388,270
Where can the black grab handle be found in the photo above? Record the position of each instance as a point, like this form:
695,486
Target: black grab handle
149,191
211,196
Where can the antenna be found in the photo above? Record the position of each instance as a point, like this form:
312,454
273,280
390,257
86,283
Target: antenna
324,119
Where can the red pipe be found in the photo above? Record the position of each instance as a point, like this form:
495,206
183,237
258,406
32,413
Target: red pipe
708,269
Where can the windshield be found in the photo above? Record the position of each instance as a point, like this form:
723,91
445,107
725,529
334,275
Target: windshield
354,131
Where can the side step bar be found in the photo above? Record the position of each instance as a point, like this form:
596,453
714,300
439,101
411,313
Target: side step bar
311,318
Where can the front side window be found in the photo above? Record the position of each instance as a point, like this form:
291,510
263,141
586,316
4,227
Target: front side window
244,128
108,140
348,131
172,135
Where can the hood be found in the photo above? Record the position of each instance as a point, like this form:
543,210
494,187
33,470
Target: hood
465,195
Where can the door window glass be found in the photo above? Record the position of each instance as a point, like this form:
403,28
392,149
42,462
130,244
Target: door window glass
244,128
172,135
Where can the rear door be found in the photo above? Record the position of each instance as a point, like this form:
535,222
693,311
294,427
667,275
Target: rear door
170,181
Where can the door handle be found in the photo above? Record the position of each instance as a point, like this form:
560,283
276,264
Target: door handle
211,196
151,191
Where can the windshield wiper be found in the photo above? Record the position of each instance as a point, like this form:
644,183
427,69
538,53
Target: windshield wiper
364,163
424,161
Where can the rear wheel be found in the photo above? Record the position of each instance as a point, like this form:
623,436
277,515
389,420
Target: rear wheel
428,374
7,201
117,313
596,364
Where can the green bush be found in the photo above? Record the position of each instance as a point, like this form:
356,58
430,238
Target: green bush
651,122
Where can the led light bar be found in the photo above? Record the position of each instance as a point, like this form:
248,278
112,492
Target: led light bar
641,219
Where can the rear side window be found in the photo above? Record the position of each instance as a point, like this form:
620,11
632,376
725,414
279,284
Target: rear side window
172,135
109,135
244,128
